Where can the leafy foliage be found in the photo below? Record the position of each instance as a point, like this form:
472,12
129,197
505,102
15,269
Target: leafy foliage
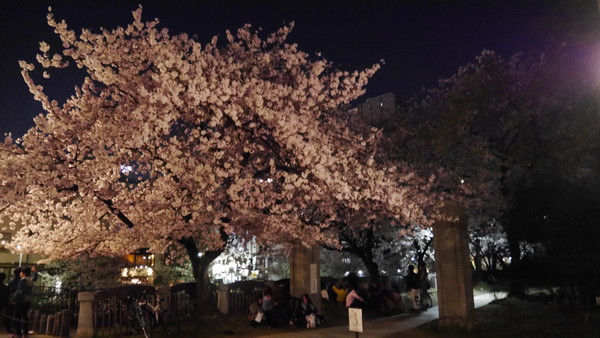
85,273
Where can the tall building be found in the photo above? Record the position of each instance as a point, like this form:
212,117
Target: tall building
378,110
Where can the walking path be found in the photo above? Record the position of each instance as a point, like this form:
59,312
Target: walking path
383,327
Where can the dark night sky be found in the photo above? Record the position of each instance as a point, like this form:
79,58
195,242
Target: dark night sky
419,40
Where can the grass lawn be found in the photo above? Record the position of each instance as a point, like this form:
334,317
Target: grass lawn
519,318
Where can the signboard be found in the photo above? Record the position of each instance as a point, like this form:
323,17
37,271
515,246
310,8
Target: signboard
314,285
355,320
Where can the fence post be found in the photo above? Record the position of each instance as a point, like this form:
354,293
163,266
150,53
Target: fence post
33,317
65,329
58,317
222,298
85,324
41,329
50,325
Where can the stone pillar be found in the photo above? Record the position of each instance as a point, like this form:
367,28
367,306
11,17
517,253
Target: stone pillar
305,277
223,298
85,324
453,269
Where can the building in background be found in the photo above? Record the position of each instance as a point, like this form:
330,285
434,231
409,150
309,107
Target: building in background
376,111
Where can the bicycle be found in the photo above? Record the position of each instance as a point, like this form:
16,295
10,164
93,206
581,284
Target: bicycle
139,319
166,318
145,317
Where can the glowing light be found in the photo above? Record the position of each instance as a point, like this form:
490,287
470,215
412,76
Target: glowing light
125,169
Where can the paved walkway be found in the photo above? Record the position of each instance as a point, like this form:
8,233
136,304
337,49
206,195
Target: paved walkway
382,327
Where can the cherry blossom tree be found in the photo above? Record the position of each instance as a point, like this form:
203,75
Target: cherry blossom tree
370,232
171,145
496,125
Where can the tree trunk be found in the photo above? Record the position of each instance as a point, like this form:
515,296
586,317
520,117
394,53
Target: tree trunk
205,300
421,252
363,248
477,260
517,289
372,268
205,303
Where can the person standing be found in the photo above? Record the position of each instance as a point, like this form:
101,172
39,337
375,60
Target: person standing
353,300
9,313
340,292
423,273
413,286
4,295
22,301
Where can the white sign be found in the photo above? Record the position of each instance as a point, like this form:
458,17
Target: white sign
314,286
355,320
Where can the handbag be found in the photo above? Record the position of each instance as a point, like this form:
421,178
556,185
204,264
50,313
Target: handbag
311,321
259,317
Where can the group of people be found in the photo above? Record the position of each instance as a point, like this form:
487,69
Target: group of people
379,297
277,311
353,294
15,301
291,312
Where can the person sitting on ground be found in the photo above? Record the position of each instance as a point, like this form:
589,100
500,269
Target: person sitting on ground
256,314
267,305
384,295
398,299
306,314
275,313
325,294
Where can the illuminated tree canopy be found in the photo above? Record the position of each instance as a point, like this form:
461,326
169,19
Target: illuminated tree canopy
168,143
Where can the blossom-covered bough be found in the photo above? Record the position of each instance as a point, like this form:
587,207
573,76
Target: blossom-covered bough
168,143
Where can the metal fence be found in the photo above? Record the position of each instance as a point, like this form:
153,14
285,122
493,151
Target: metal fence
112,313
239,300
182,299
48,300
52,302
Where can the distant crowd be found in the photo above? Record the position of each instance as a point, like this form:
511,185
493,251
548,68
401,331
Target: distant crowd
277,308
